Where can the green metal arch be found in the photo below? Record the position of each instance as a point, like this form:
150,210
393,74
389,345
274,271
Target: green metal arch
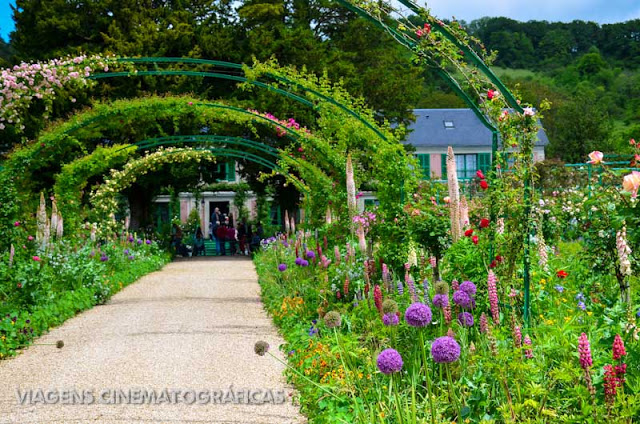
235,66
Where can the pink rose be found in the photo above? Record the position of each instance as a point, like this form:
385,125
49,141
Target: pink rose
36,258
631,183
595,157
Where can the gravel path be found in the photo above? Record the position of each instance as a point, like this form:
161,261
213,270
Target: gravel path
191,326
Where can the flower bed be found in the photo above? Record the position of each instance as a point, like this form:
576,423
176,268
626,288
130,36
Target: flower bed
41,289
366,345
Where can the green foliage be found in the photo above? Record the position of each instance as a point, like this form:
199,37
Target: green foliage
193,223
40,290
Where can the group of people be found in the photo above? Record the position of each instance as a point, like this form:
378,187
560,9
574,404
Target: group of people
242,240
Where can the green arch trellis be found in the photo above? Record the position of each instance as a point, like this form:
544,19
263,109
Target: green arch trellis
386,21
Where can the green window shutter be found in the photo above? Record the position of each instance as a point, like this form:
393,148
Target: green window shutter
443,160
484,162
425,165
230,171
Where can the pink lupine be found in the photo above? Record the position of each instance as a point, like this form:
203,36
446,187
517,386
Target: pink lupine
484,323
455,285
447,313
618,348
336,252
517,336
492,288
584,350
528,352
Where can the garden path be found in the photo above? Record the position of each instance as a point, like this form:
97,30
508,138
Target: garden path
192,325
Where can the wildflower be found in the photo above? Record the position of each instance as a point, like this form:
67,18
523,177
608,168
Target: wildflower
484,223
139,241
465,319
611,382
618,348
282,267
418,315
455,285
468,287
304,263
400,288
582,306
559,288
36,258
484,323
310,254
585,352
517,336
298,261
462,299
30,238
131,257
104,258
346,285
484,184
445,350
16,224
595,157
332,319
148,241
377,298
390,319
389,361
261,348
562,274
528,352
130,239
623,252
447,313
440,300
492,289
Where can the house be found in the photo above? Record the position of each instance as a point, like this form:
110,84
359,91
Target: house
436,129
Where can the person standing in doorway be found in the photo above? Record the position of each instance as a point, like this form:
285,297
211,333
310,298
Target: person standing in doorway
221,235
214,223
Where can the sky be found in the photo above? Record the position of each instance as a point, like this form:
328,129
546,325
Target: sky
601,11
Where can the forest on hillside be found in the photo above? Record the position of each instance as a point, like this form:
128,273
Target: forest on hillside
589,72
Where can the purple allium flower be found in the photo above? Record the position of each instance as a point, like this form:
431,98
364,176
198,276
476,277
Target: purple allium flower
389,361
298,261
462,299
131,257
285,243
469,288
390,319
282,267
139,241
445,349
148,241
304,262
310,254
418,315
126,251
559,288
440,300
131,239
465,319
104,258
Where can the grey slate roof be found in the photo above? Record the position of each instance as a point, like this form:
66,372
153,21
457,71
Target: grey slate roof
429,130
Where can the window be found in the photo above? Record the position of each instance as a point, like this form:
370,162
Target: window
425,165
468,164
449,125
228,171
370,204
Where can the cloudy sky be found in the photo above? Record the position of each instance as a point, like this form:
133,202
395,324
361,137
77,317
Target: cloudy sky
602,11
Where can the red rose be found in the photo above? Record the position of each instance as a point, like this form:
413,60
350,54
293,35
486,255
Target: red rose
499,258
484,223
474,239
479,174
562,274
468,232
484,184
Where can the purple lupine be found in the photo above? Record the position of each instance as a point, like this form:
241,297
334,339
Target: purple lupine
425,291
412,289
400,288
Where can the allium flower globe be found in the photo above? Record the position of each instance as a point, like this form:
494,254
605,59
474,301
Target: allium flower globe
282,267
390,319
465,319
418,315
440,301
469,288
462,299
445,350
389,361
